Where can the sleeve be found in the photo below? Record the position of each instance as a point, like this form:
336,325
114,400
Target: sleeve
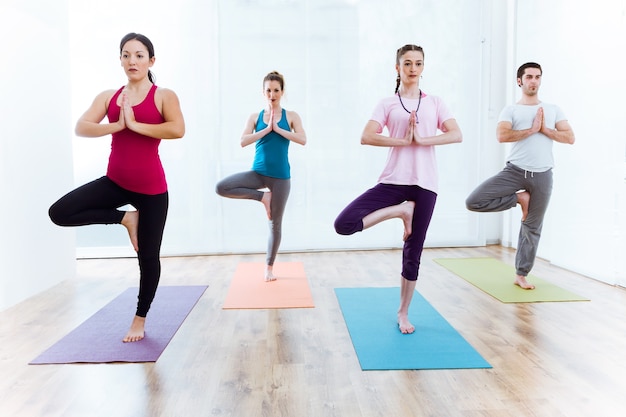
443,114
506,115
380,115
559,114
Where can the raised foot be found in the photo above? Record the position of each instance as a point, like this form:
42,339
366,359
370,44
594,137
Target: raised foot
267,201
131,222
523,199
407,218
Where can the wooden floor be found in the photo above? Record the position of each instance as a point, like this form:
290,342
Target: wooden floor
549,359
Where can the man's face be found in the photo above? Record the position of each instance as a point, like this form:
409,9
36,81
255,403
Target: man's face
530,81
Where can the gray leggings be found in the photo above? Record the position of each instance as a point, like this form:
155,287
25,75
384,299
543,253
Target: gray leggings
498,193
246,185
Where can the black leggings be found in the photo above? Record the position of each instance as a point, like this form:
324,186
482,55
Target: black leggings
97,202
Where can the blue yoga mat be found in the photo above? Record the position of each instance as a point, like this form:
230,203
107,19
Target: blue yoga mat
370,314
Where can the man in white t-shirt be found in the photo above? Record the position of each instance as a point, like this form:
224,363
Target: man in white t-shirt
532,126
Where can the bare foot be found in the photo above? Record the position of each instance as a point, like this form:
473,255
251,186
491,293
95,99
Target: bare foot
523,199
520,280
267,200
136,331
404,324
131,222
269,274
407,218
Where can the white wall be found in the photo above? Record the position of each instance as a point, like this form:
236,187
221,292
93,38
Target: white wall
338,58
35,147
580,46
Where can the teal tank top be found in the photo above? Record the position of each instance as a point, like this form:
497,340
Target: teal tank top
271,152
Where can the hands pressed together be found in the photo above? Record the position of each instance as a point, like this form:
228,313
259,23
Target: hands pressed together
539,124
127,116
272,123
411,133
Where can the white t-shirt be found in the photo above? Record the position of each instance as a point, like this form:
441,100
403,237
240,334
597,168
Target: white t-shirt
413,164
535,152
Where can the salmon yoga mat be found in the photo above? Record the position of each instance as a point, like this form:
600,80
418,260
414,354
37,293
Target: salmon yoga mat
370,315
248,289
496,279
99,338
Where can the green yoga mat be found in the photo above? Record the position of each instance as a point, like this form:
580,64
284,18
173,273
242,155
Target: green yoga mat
496,279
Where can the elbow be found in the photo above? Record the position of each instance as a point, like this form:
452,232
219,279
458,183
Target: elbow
572,140
78,130
459,137
179,133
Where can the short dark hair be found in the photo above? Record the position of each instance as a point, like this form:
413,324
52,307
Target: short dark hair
522,68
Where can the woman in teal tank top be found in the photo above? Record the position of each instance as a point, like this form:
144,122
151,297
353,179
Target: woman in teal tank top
269,181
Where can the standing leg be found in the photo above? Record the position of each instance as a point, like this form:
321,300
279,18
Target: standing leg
152,215
539,185
412,252
279,189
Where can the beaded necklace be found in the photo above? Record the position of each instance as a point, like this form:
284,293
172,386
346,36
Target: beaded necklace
416,110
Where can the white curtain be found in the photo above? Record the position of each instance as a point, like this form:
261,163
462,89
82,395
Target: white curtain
338,60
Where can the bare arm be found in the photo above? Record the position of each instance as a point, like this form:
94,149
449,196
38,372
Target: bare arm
370,135
505,132
296,134
451,134
172,128
562,134
88,125
249,135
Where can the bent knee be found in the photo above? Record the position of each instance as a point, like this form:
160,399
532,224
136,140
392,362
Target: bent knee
346,228
220,189
472,204
56,215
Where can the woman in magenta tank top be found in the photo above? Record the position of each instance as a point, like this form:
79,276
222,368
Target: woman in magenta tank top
139,114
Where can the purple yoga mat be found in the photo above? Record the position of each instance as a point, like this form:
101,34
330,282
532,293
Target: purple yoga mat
99,338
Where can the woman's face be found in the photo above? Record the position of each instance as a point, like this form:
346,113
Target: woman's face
410,66
135,60
272,91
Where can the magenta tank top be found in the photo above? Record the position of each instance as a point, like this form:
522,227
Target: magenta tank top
134,163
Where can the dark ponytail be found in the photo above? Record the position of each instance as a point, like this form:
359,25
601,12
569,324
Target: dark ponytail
146,42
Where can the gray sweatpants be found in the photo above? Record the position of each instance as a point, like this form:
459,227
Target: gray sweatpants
498,193
246,185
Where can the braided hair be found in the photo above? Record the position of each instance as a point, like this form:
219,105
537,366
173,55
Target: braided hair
402,51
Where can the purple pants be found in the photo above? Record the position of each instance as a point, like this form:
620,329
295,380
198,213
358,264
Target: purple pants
350,220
